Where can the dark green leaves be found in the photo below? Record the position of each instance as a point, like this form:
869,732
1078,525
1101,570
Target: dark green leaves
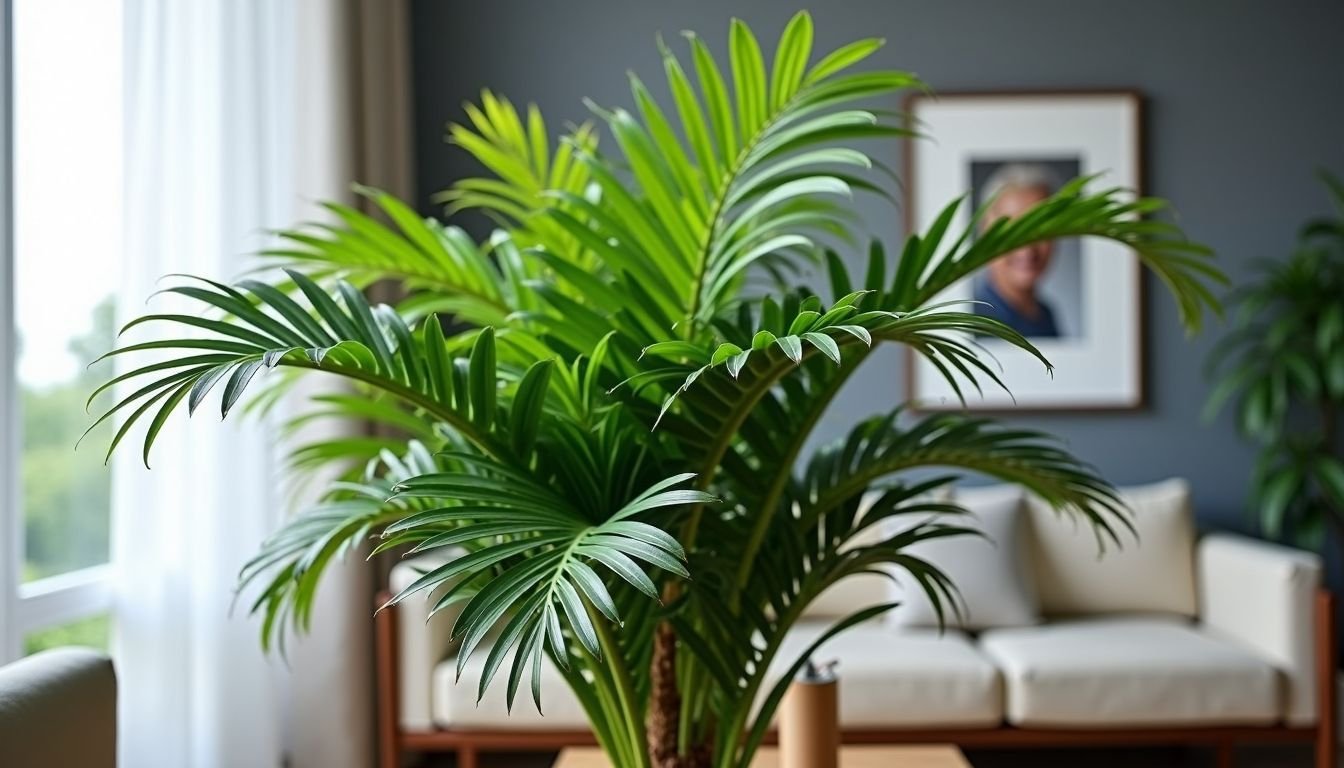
370,345
482,377
1281,366
536,554
929,265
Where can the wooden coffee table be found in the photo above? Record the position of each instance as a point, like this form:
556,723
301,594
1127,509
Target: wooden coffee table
937,756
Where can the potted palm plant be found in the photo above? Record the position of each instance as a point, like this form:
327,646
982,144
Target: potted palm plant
1282,363
602,409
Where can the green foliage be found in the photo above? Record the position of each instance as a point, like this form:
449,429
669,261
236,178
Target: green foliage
1282,365
604,416
66,498
94,632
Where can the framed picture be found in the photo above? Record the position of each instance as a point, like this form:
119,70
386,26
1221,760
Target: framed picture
1078,300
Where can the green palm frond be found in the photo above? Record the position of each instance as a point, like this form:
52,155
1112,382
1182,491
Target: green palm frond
749,189
529,168
441,267
371,345
292,561
880,447
548,550
929,265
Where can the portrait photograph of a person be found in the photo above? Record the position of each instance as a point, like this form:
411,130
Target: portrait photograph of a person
1033,290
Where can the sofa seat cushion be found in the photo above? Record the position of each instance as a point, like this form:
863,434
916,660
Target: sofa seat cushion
454,704
892,678
1130,671
888,678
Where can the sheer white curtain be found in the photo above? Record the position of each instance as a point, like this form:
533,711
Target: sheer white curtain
240,114
209,169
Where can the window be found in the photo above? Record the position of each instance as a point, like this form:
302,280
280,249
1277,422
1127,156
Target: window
61,228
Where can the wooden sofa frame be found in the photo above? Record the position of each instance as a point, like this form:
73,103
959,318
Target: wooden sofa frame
469,744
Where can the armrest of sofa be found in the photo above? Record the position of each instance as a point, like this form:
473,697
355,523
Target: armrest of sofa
1264,595
59,707
421,642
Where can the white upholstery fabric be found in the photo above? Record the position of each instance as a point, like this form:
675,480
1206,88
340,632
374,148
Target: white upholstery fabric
888,678
455,703
903,678
1154,574
1133,671
990,572
850,596
1262,596
420,644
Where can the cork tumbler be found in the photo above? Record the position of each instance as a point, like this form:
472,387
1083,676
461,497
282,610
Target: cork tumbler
809,729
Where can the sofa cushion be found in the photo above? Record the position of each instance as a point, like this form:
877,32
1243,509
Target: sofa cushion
888,678
990,572
454,704
849,596
1156,573
903,678
1130,672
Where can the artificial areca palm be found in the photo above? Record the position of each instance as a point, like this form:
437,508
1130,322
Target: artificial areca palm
605,410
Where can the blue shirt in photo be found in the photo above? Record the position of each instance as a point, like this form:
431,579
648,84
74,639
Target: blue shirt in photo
1041,326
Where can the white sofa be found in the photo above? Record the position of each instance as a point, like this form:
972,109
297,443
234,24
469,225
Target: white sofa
1171,639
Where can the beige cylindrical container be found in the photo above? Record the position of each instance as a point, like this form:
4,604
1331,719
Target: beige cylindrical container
809,720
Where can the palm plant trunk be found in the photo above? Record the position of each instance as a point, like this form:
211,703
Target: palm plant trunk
664,716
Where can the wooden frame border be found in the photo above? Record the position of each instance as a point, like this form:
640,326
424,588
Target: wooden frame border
468,744
1141,183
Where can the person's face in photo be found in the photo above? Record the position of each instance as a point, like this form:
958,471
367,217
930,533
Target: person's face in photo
1016,273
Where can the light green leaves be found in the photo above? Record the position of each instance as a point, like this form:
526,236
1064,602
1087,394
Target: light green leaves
443,268
760,194
753,102
843,58
795,46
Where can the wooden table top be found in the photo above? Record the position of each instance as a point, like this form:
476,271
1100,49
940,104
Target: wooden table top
936,756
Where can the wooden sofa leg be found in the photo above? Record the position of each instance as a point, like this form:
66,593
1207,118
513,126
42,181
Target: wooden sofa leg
1327,740
1227,755
385,655
467,757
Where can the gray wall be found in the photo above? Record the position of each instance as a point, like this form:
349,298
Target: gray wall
1245,100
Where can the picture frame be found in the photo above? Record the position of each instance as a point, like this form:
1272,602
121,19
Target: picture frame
1079,301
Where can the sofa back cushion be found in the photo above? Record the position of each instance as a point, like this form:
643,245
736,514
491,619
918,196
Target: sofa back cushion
990,572
1154,574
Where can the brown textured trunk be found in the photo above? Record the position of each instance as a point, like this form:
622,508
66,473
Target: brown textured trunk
665,708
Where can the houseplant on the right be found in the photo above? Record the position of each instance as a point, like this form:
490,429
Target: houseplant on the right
1283,365
606,404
